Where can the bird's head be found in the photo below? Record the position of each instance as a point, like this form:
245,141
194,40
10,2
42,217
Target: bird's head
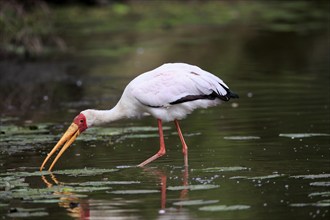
80,123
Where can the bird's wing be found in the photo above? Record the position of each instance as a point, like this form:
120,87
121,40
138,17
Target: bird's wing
167,86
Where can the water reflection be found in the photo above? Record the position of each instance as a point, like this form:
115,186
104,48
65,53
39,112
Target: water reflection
270,152
162,176
118,208
76,206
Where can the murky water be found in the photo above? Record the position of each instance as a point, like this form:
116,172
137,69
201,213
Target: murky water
264,156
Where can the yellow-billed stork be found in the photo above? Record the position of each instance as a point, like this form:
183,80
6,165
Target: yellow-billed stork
168,93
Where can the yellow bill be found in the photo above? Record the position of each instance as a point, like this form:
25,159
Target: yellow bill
67,139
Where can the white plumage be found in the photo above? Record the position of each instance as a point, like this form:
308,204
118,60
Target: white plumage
156,91
168,93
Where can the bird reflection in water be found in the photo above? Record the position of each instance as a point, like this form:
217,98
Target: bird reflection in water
82,208
163,183
76,206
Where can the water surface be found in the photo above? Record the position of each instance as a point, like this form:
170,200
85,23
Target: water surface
263,156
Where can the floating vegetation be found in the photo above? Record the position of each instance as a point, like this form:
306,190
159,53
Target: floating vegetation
21,138
325,201
266,177
322,194
258,177
322,203
7,119
139,136
194,187
45,195
16,136
84,172
47,200
124,166
13,185
241,138
221,169
137,191
13,174
99,133
23,212
87,189
143,129
195,202
11,182
215,208
320,184
303,135
30,129
102,183
312,176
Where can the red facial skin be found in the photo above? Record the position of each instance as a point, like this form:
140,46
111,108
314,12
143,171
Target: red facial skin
80,121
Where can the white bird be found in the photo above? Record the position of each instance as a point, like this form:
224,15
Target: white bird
168,93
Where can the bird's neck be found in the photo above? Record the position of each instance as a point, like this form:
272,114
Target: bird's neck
106,116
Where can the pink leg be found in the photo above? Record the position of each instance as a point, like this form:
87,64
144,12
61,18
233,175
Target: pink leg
163,190
162,149
184,145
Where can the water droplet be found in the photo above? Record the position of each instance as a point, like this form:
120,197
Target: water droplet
140,50
234,104
79,83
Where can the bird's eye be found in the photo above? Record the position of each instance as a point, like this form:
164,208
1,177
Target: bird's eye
81,120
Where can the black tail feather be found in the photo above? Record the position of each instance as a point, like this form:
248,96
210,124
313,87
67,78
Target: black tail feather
230,94
233,95
211,96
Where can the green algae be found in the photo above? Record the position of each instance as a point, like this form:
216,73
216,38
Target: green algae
195,202
193,187
321,194
312,176
241,138
138,191
27,212
316,204
221,169
103,183
320,183
13,185
271,176
304,135
84,172
215,208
